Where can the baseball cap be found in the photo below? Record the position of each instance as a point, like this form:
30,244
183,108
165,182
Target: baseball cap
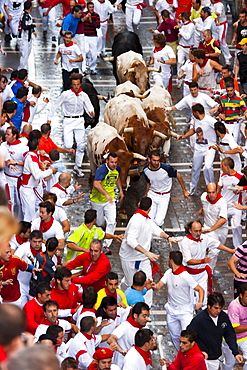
243,41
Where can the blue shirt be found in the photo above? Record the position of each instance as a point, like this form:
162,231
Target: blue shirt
133,296
17,118
16,86
70,23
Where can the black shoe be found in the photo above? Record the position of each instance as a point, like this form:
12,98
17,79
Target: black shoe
7,38
54,39
44,34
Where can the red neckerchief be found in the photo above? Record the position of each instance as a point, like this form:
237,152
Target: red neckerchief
20,240
179,270
157,49
144,214
134,323
45,226
57,185
188,22
78,92
189,236
217,1
47,322
203,63
88,309
88,336
21,82
205,18
69,44
16,142
111,294
3,355
146,355
34,252
23,134
216,199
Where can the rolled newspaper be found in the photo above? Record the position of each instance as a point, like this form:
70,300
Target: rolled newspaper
160,348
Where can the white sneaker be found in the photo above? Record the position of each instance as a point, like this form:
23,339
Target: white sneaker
78,172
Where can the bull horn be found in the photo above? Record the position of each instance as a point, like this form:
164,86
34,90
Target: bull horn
128,129
154,69
101,97
173,134
157,133
105,155
139,156
143,96
129,70
108,59
151,123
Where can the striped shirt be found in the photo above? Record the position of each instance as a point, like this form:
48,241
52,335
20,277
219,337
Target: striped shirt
232,107
241,255
90,29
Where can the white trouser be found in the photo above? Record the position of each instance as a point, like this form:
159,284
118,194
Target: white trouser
183,55
236,216
186,91
129,269
74,127
222,31
176,323
80,39
163,78
106,214
202,280
159,207
25,47
12,26
13,196
219,234
234,130
28,198
16,303
102,38
51,19
229,359
133,16
25,297
91,46
197,38
199,155
212,364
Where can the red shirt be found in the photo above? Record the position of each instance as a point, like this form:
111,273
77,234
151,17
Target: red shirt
66,299
94,273
47,145
167,27
193,359
66,5
10,270
34,315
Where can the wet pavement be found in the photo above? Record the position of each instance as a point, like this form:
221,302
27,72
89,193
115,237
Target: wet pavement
42,71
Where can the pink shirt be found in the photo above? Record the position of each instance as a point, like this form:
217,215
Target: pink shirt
238,316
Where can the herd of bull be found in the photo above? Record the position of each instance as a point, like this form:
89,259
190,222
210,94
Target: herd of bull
134,119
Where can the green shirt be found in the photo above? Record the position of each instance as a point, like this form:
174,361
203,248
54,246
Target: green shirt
82,237
108,180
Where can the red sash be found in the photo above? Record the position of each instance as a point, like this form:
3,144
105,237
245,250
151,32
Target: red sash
208,269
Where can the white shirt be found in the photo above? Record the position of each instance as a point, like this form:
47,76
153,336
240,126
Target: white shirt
67,53
196,249
15,11
139,231
180,292
59,214
62,194
188,70
41,329
219,8
80,313
72,104
188,101
160,180
16,152
187,34
7,94
122,315
134,361
30,111
226,180
82,349
54,231
166,53
213,211
103,9
125,333
209,135
32,174
163,4
207,24
4,153
228,143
